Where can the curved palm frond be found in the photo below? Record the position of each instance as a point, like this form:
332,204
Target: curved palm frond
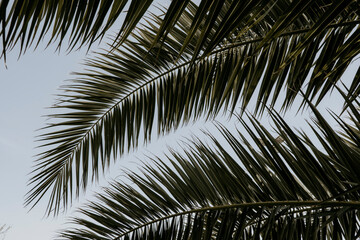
283,190
85,21
124,90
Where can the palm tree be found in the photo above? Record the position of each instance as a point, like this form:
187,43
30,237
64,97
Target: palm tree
192,61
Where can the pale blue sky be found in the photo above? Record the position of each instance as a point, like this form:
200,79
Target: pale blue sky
27,88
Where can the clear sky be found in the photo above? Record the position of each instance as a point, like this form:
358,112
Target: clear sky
27,88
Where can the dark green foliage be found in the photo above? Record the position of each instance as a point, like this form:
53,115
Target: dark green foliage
281,190
190,62
128,90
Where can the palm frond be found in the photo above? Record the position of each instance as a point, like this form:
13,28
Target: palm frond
126,89
83,22
267,189
130,71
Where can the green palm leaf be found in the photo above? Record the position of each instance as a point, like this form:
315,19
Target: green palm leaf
280,190
126,89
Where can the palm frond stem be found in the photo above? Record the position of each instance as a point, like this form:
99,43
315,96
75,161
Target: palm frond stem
190,62
233,45
252,204
294,32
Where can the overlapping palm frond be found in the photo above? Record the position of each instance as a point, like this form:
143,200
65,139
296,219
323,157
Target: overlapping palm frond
256,190
84,21
127,90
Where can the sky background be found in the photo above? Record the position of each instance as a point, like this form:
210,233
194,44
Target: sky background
27,88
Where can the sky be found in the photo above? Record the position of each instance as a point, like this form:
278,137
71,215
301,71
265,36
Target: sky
27,88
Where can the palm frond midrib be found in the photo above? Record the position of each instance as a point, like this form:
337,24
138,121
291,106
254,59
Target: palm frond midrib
182,65
298,206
